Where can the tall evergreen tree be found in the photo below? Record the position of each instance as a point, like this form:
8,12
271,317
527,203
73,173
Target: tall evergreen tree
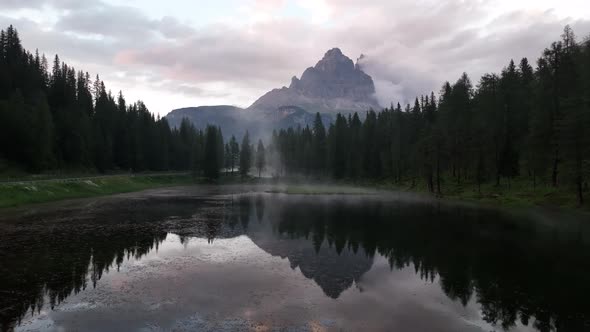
319,145
524,122
235,152
245,155
211,160
260,158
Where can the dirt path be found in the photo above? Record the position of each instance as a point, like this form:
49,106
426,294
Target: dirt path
85,178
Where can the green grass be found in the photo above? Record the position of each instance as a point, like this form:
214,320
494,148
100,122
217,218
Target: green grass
17,194
517,193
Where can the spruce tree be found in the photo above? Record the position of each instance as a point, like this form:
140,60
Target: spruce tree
211,164
235,153
245,155
319,145
260,158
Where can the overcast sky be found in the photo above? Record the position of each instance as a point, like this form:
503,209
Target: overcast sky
178,53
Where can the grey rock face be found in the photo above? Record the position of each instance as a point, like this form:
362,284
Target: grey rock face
334,84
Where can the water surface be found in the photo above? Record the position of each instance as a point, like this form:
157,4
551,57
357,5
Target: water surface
199,260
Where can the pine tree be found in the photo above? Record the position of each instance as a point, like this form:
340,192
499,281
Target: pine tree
524,121
41,126
319,145
245,156
509,83
220,148
260,158
574,120
227,159
78,124
198,153
211,163
338,138
235,152
354,155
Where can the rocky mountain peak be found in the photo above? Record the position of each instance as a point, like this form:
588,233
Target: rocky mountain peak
335,62
294,81
334,84
335,52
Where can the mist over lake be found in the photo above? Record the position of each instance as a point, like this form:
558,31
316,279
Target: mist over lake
240,258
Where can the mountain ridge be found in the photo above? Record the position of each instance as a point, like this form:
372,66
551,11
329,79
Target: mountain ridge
334,85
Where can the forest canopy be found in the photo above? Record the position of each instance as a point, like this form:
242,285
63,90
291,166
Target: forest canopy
529,121
525,122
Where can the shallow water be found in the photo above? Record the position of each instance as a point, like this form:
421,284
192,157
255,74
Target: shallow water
216,261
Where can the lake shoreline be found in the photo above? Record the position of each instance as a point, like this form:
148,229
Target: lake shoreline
24,193
329,256
515,195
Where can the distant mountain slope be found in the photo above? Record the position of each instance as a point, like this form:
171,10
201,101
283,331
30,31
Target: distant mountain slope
229,118
293,116
235,121
334,84
222,115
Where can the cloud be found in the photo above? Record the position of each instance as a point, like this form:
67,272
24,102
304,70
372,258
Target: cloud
39,4
19,4
412,47
219,54
415,52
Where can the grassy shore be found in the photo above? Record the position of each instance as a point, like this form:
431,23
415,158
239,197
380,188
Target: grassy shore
517,193
14,194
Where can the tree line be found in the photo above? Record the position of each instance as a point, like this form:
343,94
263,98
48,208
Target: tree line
61,119
524,122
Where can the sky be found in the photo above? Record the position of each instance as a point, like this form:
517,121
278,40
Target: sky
181,53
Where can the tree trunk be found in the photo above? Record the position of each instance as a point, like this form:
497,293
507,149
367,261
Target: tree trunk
554,172
580,191
438,191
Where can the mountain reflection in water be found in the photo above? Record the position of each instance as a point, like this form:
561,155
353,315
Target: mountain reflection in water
519,272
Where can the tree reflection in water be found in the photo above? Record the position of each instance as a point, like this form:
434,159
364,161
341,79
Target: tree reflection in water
516,269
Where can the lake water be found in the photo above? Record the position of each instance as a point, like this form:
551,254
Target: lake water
246,260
